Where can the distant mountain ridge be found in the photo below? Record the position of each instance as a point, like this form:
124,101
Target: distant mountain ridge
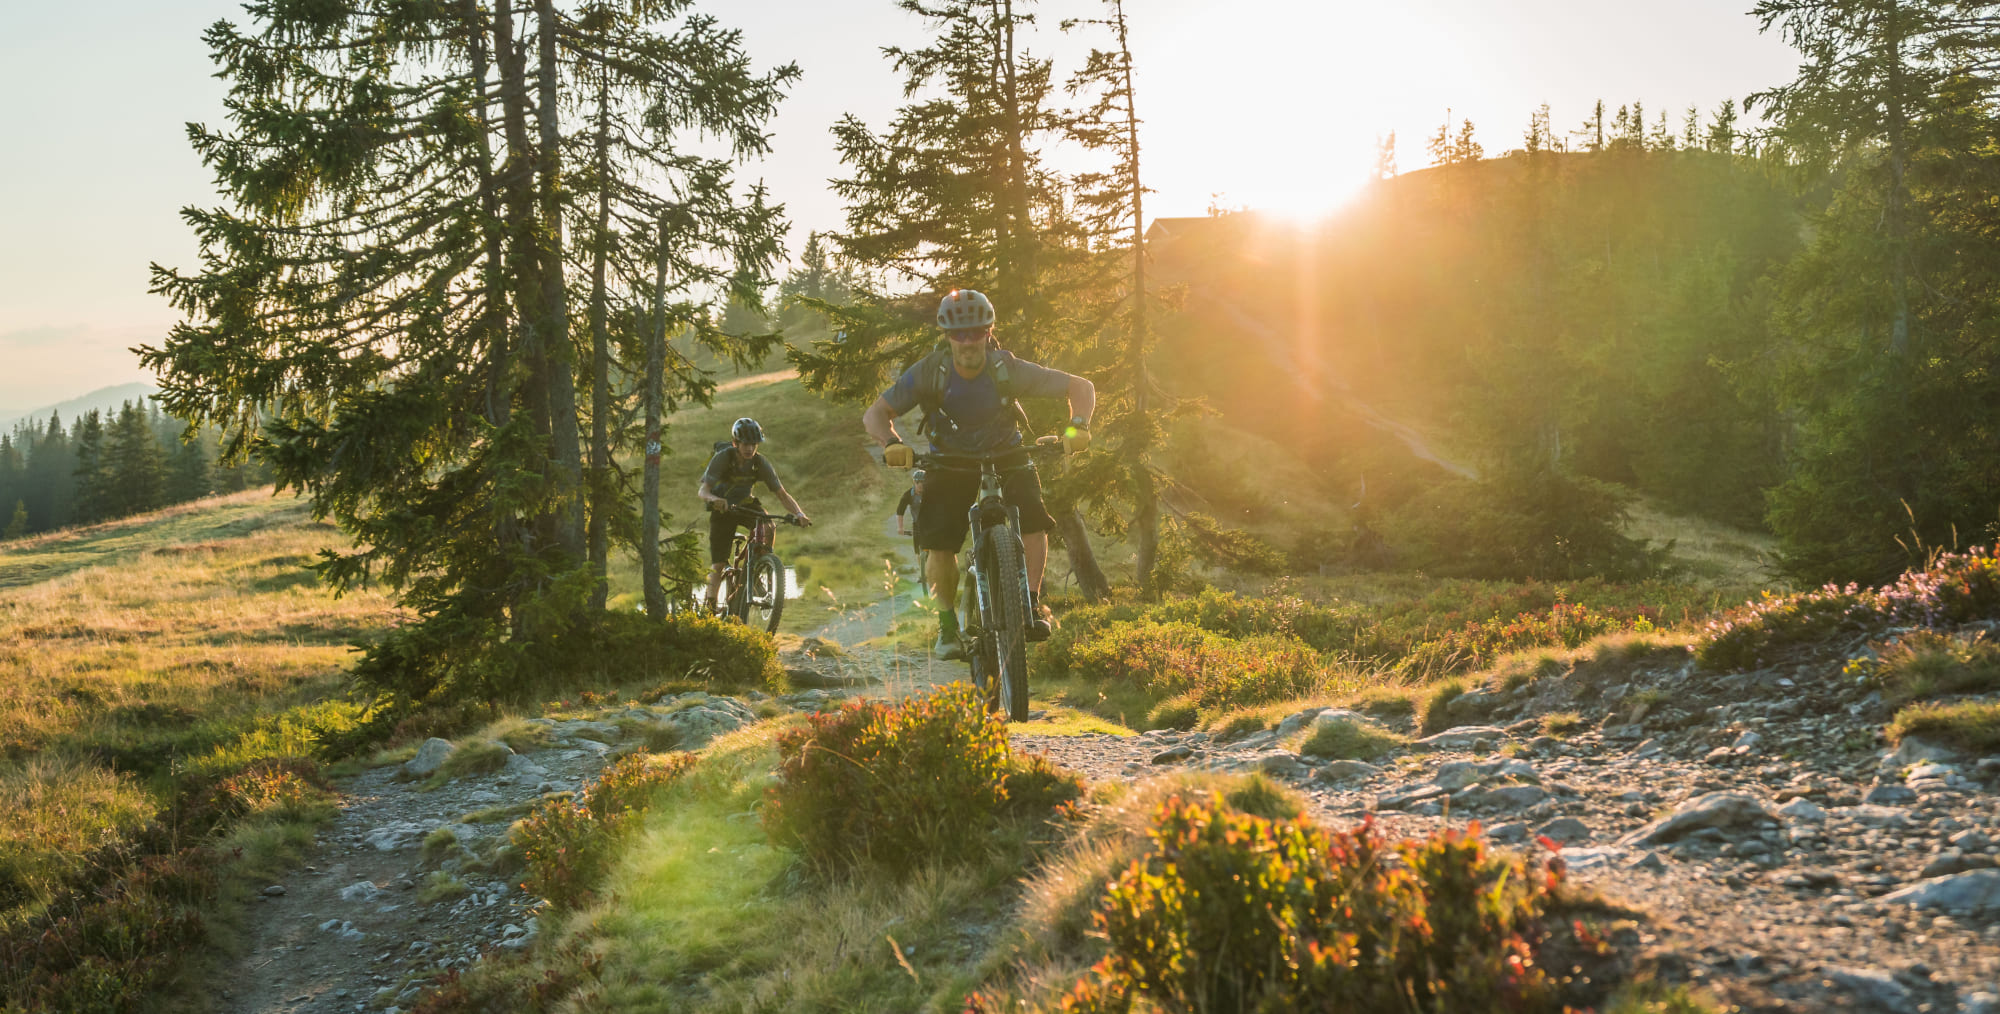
104,399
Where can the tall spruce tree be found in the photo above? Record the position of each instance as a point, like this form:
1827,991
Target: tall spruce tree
91,473
384,307
135,468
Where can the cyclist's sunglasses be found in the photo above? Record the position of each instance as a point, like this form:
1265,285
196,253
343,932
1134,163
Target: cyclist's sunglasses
967,334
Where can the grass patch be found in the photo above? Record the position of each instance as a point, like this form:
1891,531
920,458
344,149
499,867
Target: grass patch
474,757
497,814
1972,726
1341,740
1926,664
1562,724
1436,715
442,886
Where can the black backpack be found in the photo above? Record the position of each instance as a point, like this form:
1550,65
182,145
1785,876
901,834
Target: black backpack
934,378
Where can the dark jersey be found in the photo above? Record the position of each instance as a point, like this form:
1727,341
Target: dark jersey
733,479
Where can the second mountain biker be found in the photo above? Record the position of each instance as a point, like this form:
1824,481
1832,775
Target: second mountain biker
968,392
731,479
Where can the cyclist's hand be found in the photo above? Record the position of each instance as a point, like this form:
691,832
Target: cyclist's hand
900,530
899,455
801,520
1076,439
717,506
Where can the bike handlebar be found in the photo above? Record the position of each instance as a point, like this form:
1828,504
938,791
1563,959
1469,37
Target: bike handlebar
756,515
1043,445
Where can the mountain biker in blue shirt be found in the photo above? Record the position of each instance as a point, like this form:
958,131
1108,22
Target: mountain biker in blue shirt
972,415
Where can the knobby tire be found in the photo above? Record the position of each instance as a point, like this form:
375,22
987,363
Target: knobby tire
766,594
1011,610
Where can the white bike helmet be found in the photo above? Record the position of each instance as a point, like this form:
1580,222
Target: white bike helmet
963,308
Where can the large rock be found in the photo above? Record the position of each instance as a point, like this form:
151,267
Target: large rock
430,756
1515,797
1914,751
1977,891
1720,810
1343,770
1297,720
1803,810
1462,737
1877,988
698,720
1283,765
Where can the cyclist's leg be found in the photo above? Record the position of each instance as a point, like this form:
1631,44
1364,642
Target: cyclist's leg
1022,489
941,530
721,529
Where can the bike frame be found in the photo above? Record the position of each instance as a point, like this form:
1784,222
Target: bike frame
744,551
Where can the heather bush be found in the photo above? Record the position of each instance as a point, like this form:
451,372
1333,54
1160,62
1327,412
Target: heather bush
1971,726
1176,659
1929,664
896,785
569,844
1954,589
1229,911
109,948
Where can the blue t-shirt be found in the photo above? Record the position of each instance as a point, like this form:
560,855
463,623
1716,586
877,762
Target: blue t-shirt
973,420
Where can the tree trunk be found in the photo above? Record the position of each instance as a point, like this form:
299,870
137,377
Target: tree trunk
523,265
1896,218
1082,559
601,499
565,441
1020,216
1146,505
649,507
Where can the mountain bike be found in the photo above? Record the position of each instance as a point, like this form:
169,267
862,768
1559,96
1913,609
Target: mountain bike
753,585
998,645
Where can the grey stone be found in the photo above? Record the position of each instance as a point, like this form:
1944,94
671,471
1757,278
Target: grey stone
1456,775
1932,770
1507,833
1297,720
359,891
430,756
1516,797
1173,753
274,891
1282,765
1889,794
1592,857
1914,750
1803,809
1564,830
1474,703
1875,986
1876,816
1331,715
1979,1003
1342,770
395,835
1978,890
1461,737
1955,862
1714,810
1971,840
520,768
1746,742
1397,800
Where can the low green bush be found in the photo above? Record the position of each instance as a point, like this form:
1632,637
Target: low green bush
898,785
110,947
1437,706
1169,660
1233,912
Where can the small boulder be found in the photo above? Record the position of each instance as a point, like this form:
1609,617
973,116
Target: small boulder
1889,794
1977,890
1802,809
1173,753
1283,765
430,756
1344,770
1564,830
1875,987
1714,810
1297,720
1515,797
1462,737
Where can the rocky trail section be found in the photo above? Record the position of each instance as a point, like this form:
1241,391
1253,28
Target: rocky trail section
1778,852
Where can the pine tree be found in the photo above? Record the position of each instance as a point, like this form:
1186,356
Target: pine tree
384,305
1537,137
91,472
49,477
1721,137
1385,156
187,472
17,523
135,469
1592,131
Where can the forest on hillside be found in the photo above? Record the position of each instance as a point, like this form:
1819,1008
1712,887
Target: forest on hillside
108,465
438,296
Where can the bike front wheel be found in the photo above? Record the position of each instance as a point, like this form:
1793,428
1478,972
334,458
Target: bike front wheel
765,596
1010,607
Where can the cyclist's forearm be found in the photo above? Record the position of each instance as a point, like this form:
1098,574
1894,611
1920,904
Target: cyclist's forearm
880,420
1082,398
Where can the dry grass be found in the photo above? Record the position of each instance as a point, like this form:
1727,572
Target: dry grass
1737,561
130,650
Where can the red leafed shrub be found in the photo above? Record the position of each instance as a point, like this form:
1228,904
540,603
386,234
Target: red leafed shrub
107,952
1229,911
900,784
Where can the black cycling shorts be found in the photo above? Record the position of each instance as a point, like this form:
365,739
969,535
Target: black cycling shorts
942,520
722,527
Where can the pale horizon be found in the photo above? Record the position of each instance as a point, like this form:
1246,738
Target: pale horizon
1269,104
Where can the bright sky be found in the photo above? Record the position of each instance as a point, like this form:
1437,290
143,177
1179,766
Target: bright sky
1269,103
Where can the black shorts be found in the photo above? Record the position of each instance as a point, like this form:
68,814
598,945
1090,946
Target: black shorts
942,521
722,527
